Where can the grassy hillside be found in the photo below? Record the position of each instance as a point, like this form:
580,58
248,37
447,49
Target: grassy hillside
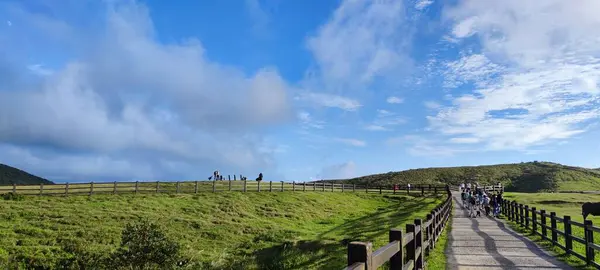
10,175
522,177
225,230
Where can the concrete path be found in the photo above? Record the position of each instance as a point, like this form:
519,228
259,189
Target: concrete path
487,243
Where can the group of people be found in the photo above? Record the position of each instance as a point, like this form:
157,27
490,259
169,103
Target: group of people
477,200
218,176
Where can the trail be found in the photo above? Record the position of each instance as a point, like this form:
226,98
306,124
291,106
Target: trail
487,243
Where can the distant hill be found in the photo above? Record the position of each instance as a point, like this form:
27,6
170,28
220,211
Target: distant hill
10,175
525,177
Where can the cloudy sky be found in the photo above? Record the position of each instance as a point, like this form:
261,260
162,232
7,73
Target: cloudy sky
172,90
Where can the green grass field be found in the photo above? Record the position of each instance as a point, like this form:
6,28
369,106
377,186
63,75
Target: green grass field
224,230
563,204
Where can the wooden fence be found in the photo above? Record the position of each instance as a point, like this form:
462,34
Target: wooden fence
542,223
406,250
204,186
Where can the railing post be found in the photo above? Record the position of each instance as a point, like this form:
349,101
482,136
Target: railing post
534,220
412,245
215,185
366,188
157,186
66,189
422,190
553,226
136,187
245,185
258,186
15,188
196,187
432,230
293,185
91,188
589,239
380,190
419,258
527,216
544,230
397,262
521,216
229,184
360,252
177,187
353,187
281,186
342,187
568,234
270,186
323,186
303,186
428,232
41,188
314,186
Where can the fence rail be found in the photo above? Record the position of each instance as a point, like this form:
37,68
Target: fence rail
542,223
205,186
406,250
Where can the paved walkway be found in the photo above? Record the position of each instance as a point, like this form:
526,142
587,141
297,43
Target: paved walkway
487,243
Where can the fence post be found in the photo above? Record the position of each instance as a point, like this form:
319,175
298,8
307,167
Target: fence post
521,215
589,239
380,190
66,189
136,187
196,187
366,188
215,185
527,216
229,185
422,190
293,185
245,185
360,252
91,188
412,245
544,230
553,226
41,188
177,188
14,188
534,220
428,232
303,186
157,186
419,258
270,186
314,186
323,186
281,186
258,186
396,262
568,236
342,187
332,186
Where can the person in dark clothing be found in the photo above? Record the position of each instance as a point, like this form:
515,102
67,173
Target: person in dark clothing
260,177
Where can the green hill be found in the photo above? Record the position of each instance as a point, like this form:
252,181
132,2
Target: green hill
10,175
223,230
524,177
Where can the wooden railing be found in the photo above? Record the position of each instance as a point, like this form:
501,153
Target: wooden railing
406,250
204,186
542,223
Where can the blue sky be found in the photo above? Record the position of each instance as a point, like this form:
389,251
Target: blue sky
298,90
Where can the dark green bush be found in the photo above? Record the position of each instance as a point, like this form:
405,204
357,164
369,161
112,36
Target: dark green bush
13,196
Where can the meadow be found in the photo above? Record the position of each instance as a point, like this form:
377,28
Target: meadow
563,204
223,230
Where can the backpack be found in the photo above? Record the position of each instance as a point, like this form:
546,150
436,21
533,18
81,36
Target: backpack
472,200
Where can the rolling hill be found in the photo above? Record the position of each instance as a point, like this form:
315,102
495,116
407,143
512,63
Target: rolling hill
524,177
10,175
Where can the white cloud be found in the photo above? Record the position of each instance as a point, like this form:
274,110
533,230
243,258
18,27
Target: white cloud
329,100
422,4
307,121
385,120
339,171
363,40
352,142
260,18
39,69
131,97
9,23
432,105
535,76
394,100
